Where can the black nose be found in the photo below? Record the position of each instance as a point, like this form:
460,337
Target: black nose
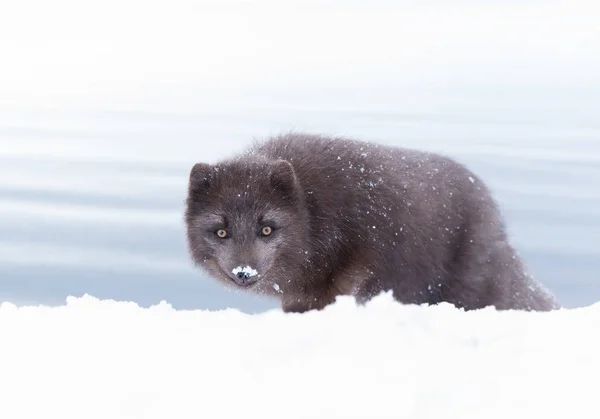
244,278
243,275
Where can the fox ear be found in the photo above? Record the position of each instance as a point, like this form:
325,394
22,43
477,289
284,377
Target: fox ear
283,177
200,177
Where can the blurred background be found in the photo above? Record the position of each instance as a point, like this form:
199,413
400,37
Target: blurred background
105,106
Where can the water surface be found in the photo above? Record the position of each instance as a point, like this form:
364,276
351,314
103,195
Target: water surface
92,201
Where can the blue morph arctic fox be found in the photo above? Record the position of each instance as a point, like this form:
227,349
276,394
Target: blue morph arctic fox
305,218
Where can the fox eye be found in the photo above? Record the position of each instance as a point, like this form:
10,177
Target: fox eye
222,233
266,230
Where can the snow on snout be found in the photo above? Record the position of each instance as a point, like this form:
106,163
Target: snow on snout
247,270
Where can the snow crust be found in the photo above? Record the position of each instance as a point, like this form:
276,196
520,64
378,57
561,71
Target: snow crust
104,359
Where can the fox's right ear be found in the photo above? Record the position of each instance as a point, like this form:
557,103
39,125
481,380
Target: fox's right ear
200,177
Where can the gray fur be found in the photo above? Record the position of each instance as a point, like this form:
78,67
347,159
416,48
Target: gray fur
355,218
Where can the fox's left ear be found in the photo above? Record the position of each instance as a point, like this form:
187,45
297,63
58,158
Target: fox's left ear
283,177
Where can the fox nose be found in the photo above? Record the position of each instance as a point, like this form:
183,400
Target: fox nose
244,276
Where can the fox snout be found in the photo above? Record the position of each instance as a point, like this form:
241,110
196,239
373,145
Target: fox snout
244,276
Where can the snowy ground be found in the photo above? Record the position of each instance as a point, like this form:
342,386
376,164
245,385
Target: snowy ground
103,359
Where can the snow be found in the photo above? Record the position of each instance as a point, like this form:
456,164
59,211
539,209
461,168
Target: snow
248,270
104,359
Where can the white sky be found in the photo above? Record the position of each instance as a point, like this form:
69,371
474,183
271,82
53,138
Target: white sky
84,51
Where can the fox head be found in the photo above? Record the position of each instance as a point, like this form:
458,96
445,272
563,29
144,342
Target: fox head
247,224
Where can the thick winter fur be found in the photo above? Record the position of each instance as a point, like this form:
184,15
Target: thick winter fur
355,218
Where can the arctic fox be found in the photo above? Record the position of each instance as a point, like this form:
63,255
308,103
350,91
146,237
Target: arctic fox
305,218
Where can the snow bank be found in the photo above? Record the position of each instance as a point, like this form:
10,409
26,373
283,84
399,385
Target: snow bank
106,359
